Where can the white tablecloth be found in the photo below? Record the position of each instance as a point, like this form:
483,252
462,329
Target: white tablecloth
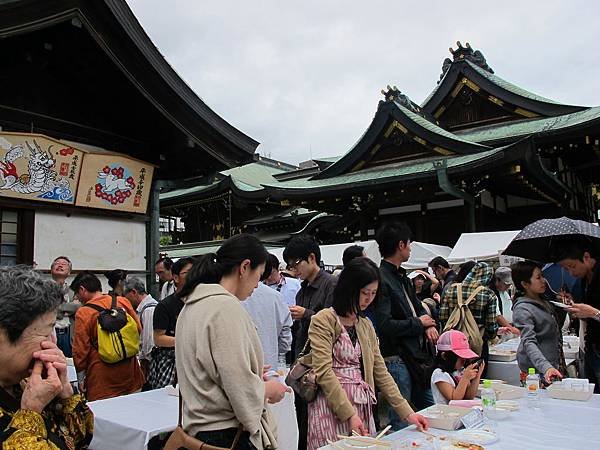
557,425
130,421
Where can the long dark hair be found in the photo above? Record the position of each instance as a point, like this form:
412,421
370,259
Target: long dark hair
446,360
356,275
210,268
522,271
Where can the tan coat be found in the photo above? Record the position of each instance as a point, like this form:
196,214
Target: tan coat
219,367
323,332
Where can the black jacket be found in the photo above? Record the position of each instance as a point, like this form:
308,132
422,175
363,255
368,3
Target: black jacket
313,297
399,331
592,297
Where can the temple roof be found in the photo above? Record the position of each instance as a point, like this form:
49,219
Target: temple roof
385,174
398,125
245,179
467,74
527,127
119,57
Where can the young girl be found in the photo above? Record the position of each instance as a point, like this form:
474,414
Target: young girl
447,381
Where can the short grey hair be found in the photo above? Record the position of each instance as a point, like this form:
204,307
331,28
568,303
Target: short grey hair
132,283
24,296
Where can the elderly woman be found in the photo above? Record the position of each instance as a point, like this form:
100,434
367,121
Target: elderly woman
38,408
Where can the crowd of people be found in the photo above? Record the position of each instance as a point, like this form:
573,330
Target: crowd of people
369,332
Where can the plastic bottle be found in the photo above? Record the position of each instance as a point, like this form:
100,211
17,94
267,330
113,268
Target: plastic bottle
488,399
533,389
282,366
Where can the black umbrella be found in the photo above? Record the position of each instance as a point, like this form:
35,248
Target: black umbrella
537,240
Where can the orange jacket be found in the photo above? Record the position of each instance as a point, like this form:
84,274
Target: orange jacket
103,380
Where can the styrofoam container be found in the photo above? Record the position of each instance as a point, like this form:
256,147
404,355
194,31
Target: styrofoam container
567,394
502,355
445,417
506,391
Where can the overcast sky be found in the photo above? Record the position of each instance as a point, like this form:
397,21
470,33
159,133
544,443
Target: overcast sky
304,77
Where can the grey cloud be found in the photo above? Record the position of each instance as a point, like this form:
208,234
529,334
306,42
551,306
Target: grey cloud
304,77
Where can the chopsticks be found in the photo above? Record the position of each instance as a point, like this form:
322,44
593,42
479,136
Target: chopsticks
427,433
365,439
385,430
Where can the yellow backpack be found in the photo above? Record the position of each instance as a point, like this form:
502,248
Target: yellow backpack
118,336
462,319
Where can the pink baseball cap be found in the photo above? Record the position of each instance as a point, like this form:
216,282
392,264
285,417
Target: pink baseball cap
457,343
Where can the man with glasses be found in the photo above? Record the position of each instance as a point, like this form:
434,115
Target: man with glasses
316,292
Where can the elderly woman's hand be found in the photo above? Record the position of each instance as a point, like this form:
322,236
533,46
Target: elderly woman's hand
50,353
40,390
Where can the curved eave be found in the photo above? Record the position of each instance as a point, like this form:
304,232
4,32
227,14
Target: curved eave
189,195
118,33
543,176
223,186
463,68
387,112
353,183
542,127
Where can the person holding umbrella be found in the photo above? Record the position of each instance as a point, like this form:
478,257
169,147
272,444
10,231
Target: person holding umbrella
578,257
541,345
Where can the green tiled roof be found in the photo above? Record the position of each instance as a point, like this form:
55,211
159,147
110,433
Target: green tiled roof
432,127
509,86
248,178
251,176
530,126
186,191
195,249
500,82
378,174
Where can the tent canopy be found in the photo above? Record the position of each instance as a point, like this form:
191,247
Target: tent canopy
421,253
480,246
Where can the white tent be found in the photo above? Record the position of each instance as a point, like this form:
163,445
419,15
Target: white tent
421,253
331,254
480,246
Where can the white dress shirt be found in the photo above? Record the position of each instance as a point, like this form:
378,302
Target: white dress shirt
145,312
273,322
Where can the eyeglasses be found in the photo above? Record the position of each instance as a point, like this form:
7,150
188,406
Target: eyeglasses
294,264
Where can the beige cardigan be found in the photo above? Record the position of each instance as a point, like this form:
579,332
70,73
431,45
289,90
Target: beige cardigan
219,367
323,332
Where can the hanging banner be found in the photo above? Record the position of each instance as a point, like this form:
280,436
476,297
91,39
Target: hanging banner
35,167
114,182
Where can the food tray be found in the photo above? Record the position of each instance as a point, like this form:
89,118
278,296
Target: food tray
502,355
565,394
506,391
445,417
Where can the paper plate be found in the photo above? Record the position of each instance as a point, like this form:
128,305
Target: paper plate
476,436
